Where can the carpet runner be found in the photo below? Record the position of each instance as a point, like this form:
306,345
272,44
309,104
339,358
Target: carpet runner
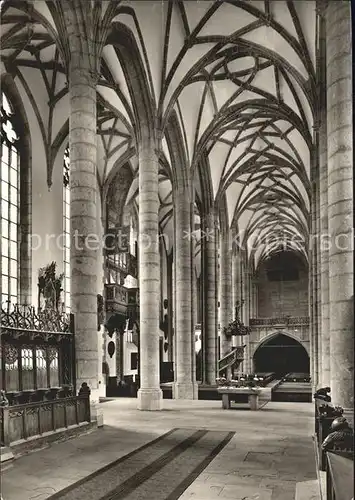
160,470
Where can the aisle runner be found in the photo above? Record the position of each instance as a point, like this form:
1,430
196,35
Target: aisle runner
159,470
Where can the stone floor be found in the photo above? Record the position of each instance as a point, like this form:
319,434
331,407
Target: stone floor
271,450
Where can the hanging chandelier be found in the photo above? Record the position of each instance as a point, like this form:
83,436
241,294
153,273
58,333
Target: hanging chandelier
236,328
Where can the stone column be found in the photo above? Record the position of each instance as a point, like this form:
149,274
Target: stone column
254,299
247,360
323,199
169,271
318,289
235,288
241,340
183,387
237,293
310,314
226,307
340,201
314,279
120,343
83,199
209,325
149,394
235,278
194,302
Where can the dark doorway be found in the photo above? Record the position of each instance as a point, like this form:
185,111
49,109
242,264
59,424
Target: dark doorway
281,354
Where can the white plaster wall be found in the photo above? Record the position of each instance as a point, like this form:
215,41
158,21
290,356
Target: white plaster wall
47,205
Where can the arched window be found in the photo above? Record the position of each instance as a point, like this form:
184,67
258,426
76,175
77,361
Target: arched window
66,229
10,203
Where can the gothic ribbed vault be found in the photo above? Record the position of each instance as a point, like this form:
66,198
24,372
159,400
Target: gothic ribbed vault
239,77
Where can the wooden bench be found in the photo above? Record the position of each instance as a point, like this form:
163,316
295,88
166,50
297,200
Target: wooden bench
232,394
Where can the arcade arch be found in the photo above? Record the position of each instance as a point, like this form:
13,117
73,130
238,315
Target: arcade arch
281,352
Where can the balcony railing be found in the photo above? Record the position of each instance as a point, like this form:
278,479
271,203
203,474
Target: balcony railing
235,357
282,320
116,293
125,263
121,299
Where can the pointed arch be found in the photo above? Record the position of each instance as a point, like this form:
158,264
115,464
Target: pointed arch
271,336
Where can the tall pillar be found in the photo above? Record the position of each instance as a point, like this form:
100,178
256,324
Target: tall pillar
323,199
242,311
209,324
310,314
235,288
226,307
194,302
314,279
318,283
247,360
169,272
183,386
83,198
340,201
149,394
254,299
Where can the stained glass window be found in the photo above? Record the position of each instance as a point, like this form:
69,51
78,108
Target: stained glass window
10,199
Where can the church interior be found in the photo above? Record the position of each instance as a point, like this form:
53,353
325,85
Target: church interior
177,280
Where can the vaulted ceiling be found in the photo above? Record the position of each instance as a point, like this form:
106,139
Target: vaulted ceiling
240,77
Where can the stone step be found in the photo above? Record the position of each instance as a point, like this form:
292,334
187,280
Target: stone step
6,454
308,490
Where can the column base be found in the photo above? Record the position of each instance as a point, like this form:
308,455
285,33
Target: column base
96,414
349,415
150,399
195,387
185,391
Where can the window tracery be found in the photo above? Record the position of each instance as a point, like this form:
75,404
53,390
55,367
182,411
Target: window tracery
10,202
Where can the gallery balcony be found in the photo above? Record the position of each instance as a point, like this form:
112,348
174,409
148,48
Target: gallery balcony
125,263
281,321
120,299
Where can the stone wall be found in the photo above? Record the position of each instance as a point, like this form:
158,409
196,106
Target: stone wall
282,298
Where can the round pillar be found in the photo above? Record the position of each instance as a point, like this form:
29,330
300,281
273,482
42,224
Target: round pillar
324,255
226,308
209,324
195,295
340,201
149,395
83,213
183,386
314,278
